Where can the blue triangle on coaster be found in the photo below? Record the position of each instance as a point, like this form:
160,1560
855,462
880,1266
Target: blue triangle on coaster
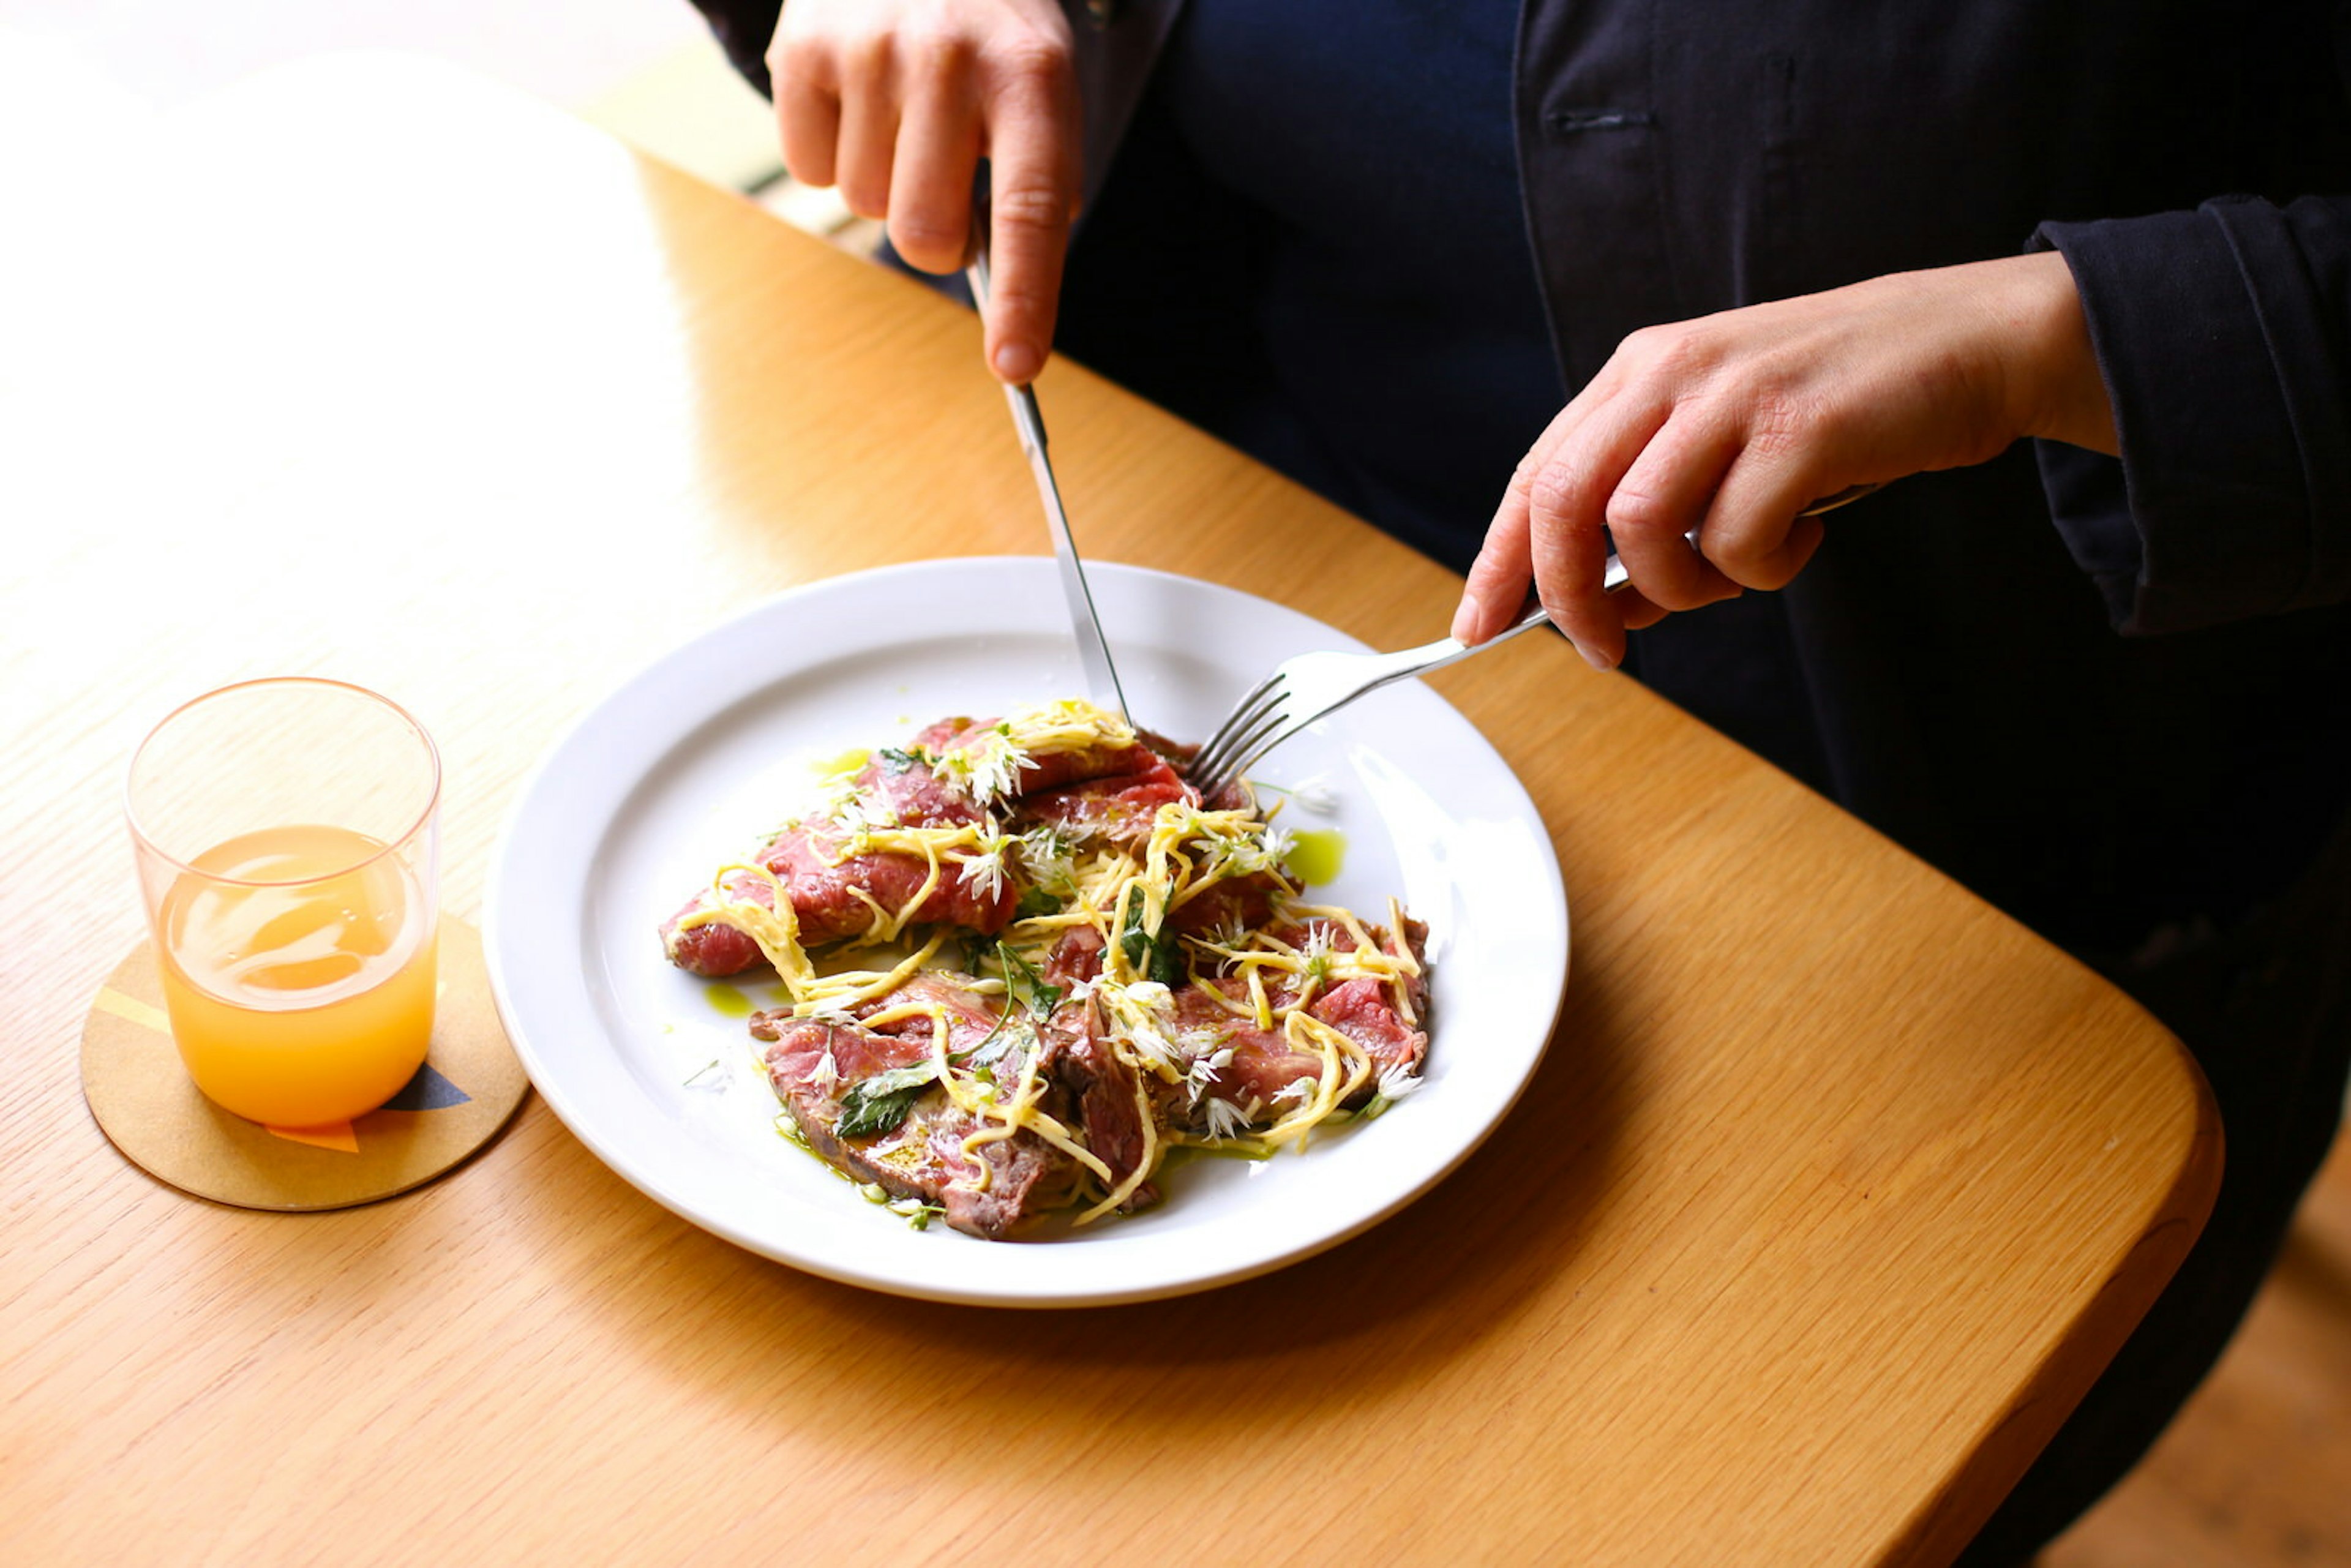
428,1090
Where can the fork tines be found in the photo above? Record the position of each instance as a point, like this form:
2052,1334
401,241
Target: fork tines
1242,738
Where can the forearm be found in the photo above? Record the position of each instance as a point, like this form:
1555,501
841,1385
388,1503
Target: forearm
2036,312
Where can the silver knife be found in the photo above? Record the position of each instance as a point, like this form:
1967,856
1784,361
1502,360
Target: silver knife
1093,651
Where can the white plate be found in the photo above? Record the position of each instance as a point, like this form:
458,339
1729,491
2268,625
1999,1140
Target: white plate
684,768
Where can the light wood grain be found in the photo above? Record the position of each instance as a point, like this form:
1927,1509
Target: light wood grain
1834,1191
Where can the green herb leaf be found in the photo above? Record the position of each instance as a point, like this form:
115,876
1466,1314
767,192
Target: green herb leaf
1025,986
872,1106
895,760
1035,902
975,949
1133,940
892,1079
1159,959
992,1049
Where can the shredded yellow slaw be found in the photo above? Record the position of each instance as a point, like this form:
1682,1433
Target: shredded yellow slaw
1126,897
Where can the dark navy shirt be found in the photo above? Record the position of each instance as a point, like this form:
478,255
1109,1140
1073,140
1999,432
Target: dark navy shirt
1319,208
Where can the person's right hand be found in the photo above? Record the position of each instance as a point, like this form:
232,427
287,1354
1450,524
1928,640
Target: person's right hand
897,100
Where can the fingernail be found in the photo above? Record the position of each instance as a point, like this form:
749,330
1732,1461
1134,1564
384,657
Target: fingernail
1465,618
1017,362
1596,659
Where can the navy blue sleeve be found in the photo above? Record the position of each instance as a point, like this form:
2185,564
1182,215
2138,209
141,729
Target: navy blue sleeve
743,28
2221,334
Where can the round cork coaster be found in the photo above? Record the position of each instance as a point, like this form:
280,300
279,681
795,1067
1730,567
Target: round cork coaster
143,1098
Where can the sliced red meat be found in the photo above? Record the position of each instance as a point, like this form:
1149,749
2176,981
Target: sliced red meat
1044,770
802,1045
715,949
1118,810
1058,769
1102,1087
1232,903
1364,1011
828,891
1076,959
971,1018
910,794
1235,797
825,900
1117,804
1017,1166
1264,1063
923,1157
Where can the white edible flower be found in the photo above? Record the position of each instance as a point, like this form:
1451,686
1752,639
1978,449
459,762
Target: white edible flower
838,796
1202,1039
987,771
1047,858
984,867
1245,855
1317,953
1397,1081
1297,1091
848,807
1137,1014
857,817
1223,1119
1205,1071
1154,1047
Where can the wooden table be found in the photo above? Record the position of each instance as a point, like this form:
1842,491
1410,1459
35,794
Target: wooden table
1835,1190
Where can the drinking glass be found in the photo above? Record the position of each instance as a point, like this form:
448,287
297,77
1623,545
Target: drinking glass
287,833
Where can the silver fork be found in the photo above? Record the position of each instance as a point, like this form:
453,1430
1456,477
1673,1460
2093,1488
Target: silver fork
1307,687
1300,690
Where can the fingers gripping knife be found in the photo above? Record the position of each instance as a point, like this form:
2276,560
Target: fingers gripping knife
1093,652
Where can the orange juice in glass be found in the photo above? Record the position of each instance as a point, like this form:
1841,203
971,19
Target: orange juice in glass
285,832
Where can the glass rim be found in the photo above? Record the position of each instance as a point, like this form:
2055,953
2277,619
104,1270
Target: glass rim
146,840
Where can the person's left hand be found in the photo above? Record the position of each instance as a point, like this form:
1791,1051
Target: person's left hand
1732,425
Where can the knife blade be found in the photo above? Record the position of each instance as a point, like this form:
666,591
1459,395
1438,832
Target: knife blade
1085,625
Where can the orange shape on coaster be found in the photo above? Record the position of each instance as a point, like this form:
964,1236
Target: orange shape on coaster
143,1014
336,1135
